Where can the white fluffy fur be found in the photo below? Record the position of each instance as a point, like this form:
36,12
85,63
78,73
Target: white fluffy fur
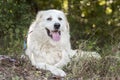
43,51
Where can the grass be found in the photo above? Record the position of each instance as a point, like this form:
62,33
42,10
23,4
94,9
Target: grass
108,67
80,68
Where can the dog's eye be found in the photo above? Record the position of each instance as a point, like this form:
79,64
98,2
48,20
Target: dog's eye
59,18
49,19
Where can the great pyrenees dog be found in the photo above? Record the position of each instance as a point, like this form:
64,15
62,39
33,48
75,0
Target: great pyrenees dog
48,42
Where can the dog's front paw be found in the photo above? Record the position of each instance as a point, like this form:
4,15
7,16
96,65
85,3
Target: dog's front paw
59,72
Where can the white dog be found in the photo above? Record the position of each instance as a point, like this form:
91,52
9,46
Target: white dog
48,42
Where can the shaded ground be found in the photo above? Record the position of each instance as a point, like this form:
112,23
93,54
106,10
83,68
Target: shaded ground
107,68
21,69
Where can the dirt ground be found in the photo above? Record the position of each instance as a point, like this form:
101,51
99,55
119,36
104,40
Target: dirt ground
16,68
21,69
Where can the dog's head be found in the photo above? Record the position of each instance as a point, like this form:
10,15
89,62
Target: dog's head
53,22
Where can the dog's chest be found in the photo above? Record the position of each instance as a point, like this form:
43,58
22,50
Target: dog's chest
51,54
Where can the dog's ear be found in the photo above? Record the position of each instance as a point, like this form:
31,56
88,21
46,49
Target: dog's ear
39,15
67,25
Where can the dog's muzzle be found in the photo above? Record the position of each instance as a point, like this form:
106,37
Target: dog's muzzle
54,34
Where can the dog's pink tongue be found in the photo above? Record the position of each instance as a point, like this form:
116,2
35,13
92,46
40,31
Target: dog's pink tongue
56,36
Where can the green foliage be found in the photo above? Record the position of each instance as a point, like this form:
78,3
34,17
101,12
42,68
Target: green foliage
97,20
15,18
48,4
94,23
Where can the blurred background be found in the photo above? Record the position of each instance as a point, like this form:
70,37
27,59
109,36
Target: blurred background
94,24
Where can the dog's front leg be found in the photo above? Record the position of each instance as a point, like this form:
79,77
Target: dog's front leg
72,53
54,70
65,59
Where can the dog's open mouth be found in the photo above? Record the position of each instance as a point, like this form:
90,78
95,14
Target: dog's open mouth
55,34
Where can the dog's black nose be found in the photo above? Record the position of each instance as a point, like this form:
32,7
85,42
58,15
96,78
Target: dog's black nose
57,25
